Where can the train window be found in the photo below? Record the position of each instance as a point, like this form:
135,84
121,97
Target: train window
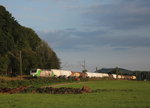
33,71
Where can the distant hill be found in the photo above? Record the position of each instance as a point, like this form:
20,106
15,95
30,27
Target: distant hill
17,40
114,71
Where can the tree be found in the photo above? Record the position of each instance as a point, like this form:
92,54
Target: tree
15,38
48,56
3,64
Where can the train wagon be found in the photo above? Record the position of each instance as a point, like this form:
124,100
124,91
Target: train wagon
58,72
75,74
97,75
104,75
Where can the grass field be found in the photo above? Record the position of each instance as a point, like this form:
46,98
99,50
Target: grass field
112,94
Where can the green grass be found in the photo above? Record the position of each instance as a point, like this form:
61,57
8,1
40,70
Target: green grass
136,96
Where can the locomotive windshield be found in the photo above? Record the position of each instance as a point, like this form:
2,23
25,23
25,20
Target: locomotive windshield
33,71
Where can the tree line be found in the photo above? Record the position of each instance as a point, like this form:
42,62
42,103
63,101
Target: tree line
17,40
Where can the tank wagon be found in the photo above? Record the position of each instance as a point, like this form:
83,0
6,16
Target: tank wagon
58,72
100,75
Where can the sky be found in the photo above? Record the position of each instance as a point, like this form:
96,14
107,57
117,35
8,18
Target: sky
103,33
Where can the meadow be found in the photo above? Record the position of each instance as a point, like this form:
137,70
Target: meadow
107,94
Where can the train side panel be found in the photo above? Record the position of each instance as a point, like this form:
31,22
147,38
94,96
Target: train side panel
58,72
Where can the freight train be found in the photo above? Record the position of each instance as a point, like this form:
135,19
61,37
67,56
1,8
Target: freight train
67,73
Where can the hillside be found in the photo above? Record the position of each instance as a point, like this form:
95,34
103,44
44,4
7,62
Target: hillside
17,40
113,71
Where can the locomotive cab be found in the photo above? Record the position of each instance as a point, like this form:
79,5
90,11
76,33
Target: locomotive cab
34,72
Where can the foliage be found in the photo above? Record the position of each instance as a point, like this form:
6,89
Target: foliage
36,82
84,71
15,38
3,64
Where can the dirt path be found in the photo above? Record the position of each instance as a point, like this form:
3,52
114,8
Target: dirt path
57,85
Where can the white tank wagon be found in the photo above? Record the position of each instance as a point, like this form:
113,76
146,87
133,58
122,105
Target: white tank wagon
58,72
129,77
91,74
96,75
114,76
99,75
105,75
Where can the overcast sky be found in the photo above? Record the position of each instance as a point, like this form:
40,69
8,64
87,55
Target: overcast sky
104,33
